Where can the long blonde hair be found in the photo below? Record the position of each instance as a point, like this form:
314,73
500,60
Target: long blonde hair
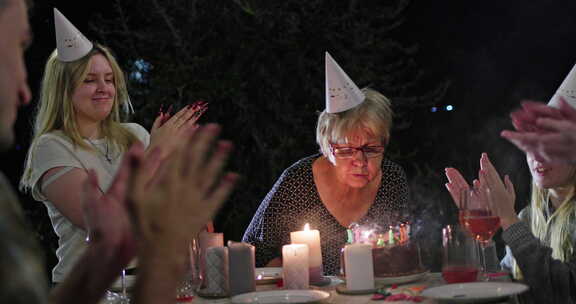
555,231
55,110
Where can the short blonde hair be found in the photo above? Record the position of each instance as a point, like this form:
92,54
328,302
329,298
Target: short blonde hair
374,115
55,110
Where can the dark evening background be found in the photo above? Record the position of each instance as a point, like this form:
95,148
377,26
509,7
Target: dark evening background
453,69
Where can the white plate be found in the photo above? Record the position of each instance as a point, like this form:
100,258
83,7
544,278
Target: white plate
282,296
268,275
129,281
400,279
474,292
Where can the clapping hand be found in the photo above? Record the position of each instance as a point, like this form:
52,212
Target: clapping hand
188,192
168,130
456,185
548,133
500,193
171,210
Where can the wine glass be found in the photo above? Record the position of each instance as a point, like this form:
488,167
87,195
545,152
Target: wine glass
124,299
192,279
111,297
477,218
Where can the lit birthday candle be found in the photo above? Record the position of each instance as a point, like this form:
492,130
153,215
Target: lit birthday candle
403,237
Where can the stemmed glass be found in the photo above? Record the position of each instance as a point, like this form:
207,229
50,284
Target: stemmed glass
192,279
477,218
113,297
123,299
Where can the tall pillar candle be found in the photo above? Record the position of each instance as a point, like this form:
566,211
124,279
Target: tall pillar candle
312,239
241,264
295,271
207,240
216,278
359,267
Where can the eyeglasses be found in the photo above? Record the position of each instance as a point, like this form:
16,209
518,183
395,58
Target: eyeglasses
348,152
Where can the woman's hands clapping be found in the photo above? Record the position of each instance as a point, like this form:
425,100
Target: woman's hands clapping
168,130
501,194
456,185
545,132
489,186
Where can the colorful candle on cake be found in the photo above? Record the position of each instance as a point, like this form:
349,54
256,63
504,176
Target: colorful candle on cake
391,236
403,237
312,239
295,270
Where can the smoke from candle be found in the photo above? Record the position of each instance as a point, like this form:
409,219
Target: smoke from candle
431,207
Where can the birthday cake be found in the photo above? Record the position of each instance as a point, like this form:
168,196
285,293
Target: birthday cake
394,254
396,260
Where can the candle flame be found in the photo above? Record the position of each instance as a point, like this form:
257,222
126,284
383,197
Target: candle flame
259,277
307,227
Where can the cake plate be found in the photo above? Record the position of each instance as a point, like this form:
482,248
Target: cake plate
401,279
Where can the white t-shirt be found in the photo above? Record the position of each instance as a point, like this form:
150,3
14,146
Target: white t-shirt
53,150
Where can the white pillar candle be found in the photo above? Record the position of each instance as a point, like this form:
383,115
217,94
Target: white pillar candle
295,266
241,268
216,279
312,239
359,267
207,240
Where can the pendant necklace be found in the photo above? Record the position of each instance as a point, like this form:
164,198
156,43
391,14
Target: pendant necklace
106,155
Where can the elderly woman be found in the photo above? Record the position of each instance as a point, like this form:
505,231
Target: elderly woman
349,182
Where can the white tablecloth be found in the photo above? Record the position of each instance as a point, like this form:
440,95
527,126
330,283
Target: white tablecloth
431,280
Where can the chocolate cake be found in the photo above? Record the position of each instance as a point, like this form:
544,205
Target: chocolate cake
397,260
393,252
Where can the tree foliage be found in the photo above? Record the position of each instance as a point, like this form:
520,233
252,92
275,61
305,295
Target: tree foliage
260,65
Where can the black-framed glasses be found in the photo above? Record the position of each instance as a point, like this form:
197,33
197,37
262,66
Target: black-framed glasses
348,152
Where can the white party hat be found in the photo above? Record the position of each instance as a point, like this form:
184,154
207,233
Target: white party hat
341,92
567,90
71,44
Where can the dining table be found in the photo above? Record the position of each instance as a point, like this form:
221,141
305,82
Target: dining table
428,280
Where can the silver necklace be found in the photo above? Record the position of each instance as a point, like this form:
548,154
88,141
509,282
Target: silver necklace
106,155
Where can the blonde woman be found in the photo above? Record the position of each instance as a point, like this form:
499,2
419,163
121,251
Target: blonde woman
541,238
78,127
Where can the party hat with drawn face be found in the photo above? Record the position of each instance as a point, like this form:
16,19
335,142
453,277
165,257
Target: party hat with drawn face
341,92
71,44
567,90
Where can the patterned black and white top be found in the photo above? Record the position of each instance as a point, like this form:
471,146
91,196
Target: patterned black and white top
294,201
